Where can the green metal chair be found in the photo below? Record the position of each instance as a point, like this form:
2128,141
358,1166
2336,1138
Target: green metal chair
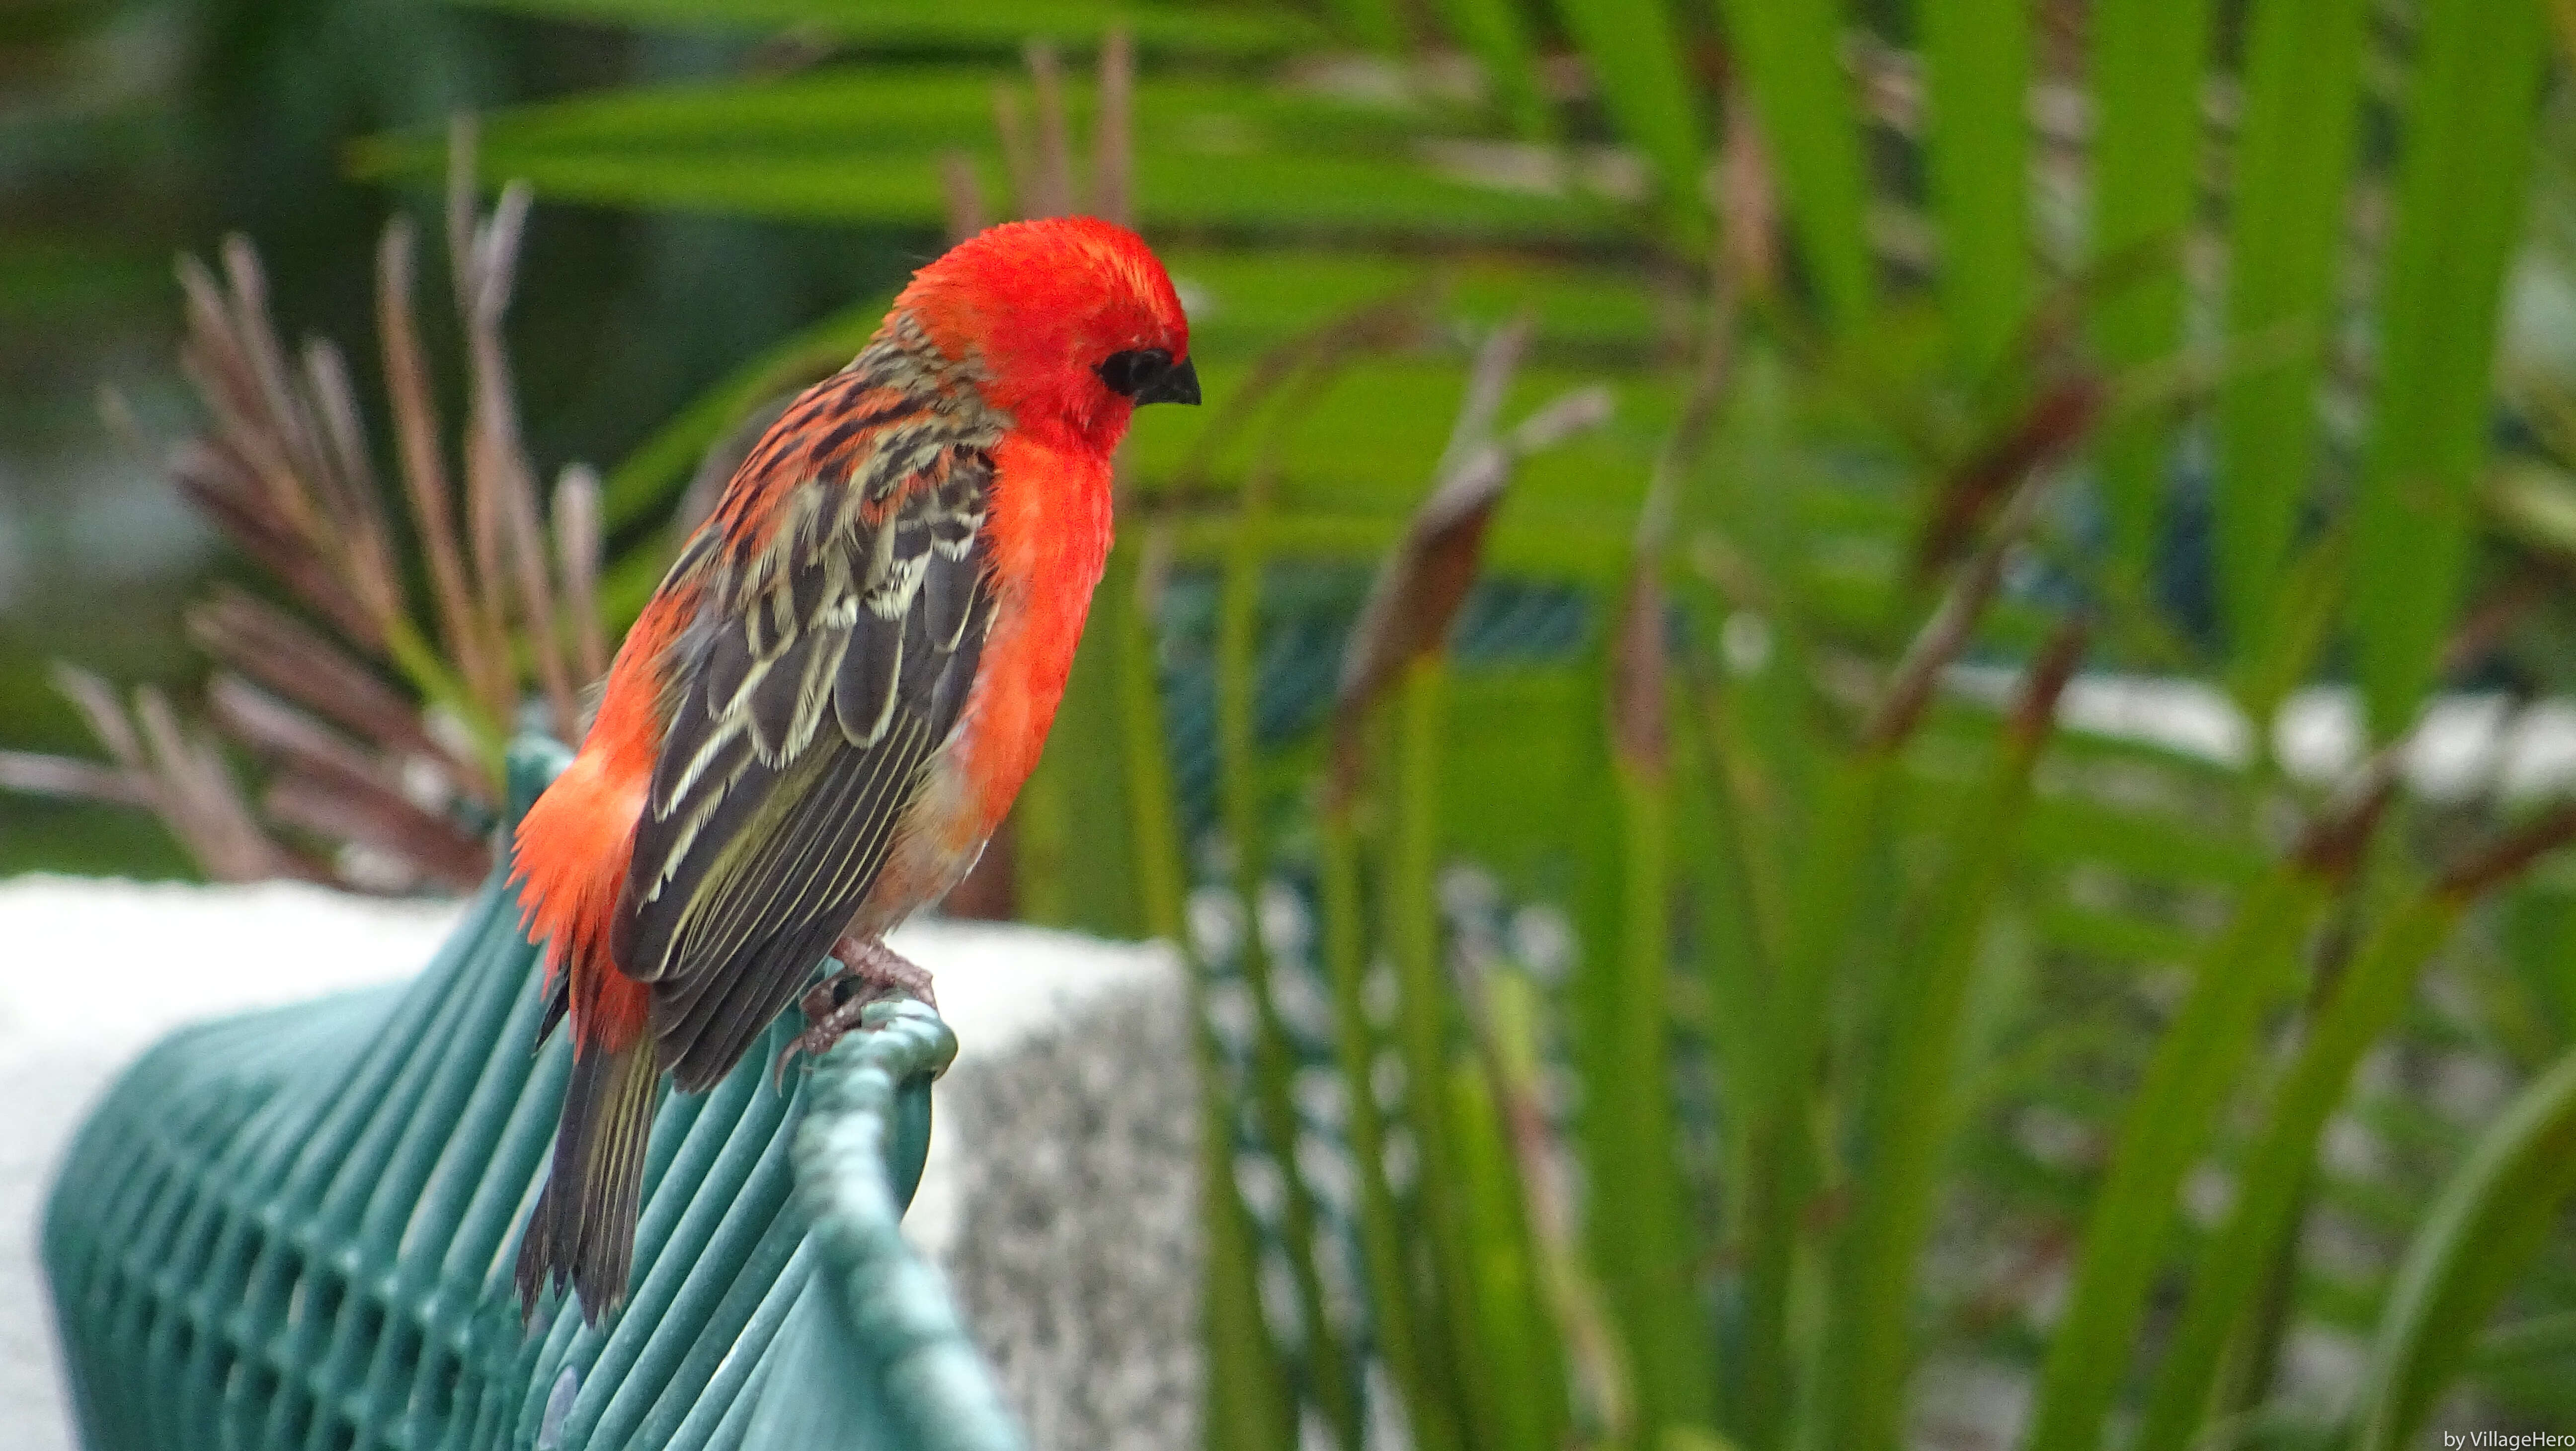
295,1229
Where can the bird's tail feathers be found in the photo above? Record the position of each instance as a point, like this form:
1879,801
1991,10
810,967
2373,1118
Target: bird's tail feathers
583,1228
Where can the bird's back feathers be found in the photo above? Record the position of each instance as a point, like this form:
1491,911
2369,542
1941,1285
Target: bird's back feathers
831,658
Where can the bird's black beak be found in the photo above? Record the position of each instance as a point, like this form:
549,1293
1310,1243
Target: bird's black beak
1176,384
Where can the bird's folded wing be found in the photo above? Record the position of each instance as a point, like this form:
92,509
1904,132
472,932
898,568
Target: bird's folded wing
823,671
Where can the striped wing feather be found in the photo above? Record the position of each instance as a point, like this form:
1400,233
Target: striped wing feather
818,682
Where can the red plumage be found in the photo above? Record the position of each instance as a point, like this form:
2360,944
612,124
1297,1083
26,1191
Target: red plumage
838,690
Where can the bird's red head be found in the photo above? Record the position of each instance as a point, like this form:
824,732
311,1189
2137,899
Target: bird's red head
1072,321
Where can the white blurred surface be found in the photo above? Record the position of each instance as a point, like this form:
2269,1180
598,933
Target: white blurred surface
91,973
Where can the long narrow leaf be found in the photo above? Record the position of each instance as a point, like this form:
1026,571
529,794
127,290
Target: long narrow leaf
1520,1401
2147,57
1273,1054
2372,993
2460,202
1791,53
1847,831
1499,39
1638,1217
1637,59
1911,1106
1003,25
873,144
2491,1217
1423,1035
2293,155
2247,972
1373,23
1977,61
1391,1279
1246,1404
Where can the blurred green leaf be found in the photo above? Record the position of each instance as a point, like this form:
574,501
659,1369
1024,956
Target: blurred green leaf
2245,974
1247,1404
1517,1395
1242,300
1373,23
1241,800
1000,25
56,281
863,144
1424,1006
1976,56
1498,37
1845,844
1791,52
2535,504
2272,1176
1910,1100
1637,59
1622,1003
2491,1217
2470,114
2070,829
2147,58
2293,159
1393,1298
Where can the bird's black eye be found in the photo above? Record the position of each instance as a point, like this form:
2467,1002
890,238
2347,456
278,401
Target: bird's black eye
1128,372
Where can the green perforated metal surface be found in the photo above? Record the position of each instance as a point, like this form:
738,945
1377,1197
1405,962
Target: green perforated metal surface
295,1229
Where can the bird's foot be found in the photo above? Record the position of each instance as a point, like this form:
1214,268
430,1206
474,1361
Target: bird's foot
837,1006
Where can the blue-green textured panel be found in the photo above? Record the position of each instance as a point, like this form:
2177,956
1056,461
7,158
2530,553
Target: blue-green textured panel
295,1229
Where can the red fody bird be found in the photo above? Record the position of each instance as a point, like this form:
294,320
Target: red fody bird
834,696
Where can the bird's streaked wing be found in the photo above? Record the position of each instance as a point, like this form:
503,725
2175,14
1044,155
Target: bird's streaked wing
827,664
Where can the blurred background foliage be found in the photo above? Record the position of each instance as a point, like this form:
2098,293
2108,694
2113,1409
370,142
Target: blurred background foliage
1715,981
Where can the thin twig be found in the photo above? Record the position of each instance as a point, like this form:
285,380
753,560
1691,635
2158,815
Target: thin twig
1055,187
483,513
2330,847
577,551
1019,158
2034,715
1489,382
1749,206
963,195
499,461
197,795
36,774
219,484
367,796
425,481
1946,634
367,561
2513,854
1113,166
2051,428
1639,660
275,649
101,712
287,420
461,210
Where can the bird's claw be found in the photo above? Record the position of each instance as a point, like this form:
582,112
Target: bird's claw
837,1006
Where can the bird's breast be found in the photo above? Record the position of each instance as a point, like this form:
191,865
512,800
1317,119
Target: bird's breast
1048,533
